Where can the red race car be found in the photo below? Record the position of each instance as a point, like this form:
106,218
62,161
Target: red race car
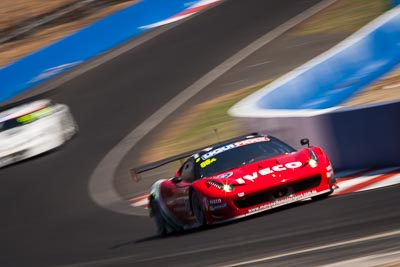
237,178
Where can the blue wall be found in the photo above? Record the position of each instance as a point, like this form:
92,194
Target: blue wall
340,76
85,44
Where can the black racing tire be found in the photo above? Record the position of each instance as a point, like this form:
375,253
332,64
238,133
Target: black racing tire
161,224
197,209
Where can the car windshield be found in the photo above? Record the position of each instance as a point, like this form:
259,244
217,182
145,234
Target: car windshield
9,124
24,119
232,156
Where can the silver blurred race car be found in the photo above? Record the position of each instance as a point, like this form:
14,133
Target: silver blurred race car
33,128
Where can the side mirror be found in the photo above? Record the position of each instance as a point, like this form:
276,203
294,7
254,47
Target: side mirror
176,179
305,141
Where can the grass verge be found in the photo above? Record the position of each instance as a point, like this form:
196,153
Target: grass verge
344,16
201,125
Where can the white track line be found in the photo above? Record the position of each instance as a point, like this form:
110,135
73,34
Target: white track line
387,182
346,184
301,251
372,260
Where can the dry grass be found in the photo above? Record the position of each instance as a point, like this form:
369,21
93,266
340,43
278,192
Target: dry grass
385,89
14,11
344,16
203,124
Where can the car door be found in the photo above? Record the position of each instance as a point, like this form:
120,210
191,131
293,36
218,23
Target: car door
179,202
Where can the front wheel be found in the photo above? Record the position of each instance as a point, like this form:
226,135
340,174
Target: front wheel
198,210
323,196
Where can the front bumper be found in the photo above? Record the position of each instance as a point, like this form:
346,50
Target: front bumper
243,204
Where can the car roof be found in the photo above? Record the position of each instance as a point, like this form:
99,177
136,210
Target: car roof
135,172
23,109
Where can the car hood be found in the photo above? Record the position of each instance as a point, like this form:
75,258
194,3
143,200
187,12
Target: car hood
12,141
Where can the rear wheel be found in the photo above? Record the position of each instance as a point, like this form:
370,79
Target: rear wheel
198,210
162,225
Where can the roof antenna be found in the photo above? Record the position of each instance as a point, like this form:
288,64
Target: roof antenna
216,134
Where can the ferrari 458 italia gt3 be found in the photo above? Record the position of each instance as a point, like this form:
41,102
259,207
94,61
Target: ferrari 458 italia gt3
237,178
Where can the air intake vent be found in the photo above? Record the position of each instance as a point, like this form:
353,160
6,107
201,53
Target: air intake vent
278,192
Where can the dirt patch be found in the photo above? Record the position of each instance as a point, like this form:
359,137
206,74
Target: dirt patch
349,16
13,12
385,89
56,30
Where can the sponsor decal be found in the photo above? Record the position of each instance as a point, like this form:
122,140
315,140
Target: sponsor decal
217,151
241,194
207,162
225,175
214,152
283,201
34,115
251,141
266,171
329,171
215,201
217,207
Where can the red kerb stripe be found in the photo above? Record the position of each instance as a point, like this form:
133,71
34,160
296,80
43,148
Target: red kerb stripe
137,199
193,10
377,179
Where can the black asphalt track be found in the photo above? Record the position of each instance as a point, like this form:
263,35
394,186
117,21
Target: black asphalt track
48,219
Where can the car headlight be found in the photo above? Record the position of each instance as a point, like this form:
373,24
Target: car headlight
227,188
313,163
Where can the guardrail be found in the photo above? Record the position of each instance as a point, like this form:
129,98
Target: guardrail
303,102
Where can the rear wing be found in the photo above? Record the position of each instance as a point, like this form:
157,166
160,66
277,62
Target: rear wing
135,172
